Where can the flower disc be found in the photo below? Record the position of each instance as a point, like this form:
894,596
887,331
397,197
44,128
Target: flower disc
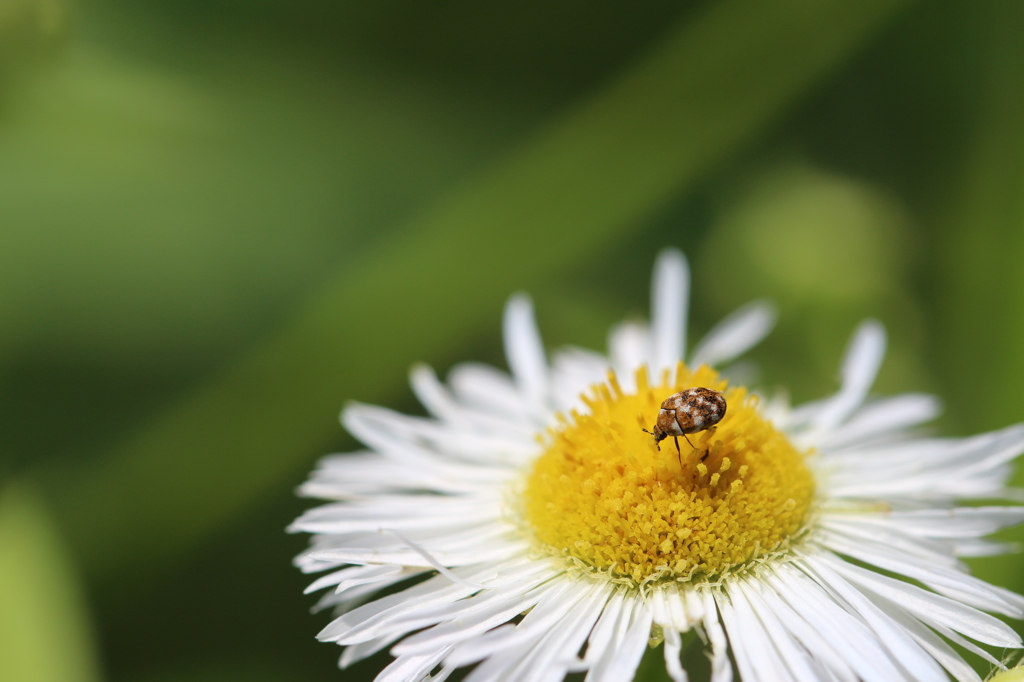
603,494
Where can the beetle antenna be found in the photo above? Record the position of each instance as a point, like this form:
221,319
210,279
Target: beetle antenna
656,441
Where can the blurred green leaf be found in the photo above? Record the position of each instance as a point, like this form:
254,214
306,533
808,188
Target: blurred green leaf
30,30
982,243
831,251
652,666
813,236
710,87
981,304
243,671
44,629
150,214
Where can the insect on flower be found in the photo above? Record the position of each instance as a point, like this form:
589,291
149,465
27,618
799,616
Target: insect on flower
517,486
690,411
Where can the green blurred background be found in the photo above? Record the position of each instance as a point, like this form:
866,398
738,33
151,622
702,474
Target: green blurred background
220,220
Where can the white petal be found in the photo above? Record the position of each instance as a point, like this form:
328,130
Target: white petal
467,619
931,608
947,581
540,646
377,618
428,443
721,668
671,608
967,644
352,576
605,629
632,632
397,512
922,549
735,335
487,388
777,615
859,646
927,469
694,607
400,553
670,294
756,657
525,352
329,551
905,651
366,621
1005,446
960,522
799,660
571,613
574,371
410,668
476,416
343,602
883,417
860,366
659,609
975,547
494,669
629,347
742,373
931,642
673,650
552,657
362,474
357,652
479,648
432,393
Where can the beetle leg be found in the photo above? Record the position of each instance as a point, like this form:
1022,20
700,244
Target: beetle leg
707,451
702,457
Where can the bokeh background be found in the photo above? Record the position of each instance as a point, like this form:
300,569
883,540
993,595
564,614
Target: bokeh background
220,220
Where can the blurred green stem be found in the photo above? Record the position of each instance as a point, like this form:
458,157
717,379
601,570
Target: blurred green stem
44,629
602,168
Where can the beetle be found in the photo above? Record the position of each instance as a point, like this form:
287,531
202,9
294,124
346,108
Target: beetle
691,411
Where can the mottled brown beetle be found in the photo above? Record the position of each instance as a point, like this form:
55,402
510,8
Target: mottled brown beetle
689,411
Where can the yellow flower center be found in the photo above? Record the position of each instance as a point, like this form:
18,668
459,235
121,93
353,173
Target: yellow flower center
605,495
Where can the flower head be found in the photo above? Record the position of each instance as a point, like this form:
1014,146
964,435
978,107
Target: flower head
531,526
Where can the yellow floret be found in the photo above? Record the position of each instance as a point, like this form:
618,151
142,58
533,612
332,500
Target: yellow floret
603,494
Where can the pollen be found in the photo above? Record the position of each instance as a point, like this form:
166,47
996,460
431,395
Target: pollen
603,495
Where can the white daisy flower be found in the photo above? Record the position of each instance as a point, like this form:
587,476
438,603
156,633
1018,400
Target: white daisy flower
530,528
